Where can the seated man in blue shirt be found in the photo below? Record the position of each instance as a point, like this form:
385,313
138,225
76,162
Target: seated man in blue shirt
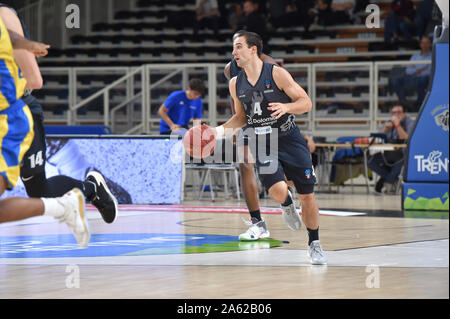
388,164
180,107
417,75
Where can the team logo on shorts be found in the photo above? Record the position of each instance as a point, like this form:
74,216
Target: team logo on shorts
308,174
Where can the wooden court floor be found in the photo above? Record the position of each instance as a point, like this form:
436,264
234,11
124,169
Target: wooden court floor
373,250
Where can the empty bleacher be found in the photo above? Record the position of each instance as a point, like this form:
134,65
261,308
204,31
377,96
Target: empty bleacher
151,33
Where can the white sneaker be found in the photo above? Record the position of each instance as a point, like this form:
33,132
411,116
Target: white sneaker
291,216
74,215
256,231
316,254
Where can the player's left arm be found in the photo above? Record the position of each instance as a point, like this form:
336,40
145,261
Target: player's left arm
19,42
301,103
24,59
268,59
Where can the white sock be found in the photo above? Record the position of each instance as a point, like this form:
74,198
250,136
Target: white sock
53,208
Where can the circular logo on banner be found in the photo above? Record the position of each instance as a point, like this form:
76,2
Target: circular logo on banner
103,245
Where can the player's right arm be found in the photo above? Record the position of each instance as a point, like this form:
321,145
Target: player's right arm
24,59
238,120
227,73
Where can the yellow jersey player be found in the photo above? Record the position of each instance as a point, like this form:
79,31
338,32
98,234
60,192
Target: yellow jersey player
32,170
16,135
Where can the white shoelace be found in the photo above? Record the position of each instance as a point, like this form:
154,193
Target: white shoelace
317,249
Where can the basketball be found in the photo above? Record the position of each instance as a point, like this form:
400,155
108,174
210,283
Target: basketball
199,141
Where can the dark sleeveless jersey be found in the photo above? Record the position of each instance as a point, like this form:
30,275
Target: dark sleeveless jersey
28,99
255,100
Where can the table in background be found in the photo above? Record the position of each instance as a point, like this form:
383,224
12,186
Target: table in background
325,150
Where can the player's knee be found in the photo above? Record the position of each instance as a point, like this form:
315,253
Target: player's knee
307,198
279,192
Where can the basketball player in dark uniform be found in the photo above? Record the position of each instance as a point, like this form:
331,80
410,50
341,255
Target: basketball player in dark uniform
266,97
246,167
33,169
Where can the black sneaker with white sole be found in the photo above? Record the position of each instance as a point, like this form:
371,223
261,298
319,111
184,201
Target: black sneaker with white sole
103,200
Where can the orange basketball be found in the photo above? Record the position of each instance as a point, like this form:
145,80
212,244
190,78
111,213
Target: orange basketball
200,141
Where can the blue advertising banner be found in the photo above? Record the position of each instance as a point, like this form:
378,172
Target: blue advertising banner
428,146
426,175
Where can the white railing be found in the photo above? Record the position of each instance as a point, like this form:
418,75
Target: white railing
383,65
109,114
321,117
139,84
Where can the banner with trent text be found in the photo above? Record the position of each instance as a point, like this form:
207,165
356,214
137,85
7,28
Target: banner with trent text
426,169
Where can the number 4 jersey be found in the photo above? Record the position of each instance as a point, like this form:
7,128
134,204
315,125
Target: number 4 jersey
255,101
287,146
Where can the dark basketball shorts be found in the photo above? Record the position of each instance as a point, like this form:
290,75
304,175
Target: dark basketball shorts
34,159
303,178
283,156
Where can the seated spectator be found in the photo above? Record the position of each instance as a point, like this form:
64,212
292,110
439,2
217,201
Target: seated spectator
344,8
361,5
206,16
255,22
388,164
291,13
261,6
416,76
424,16
401,20
305,13
323,11
436,20
180,107
333,12
236,19
281,13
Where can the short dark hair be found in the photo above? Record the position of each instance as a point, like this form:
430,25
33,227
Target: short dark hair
426,36
398,104
197,85
252,39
